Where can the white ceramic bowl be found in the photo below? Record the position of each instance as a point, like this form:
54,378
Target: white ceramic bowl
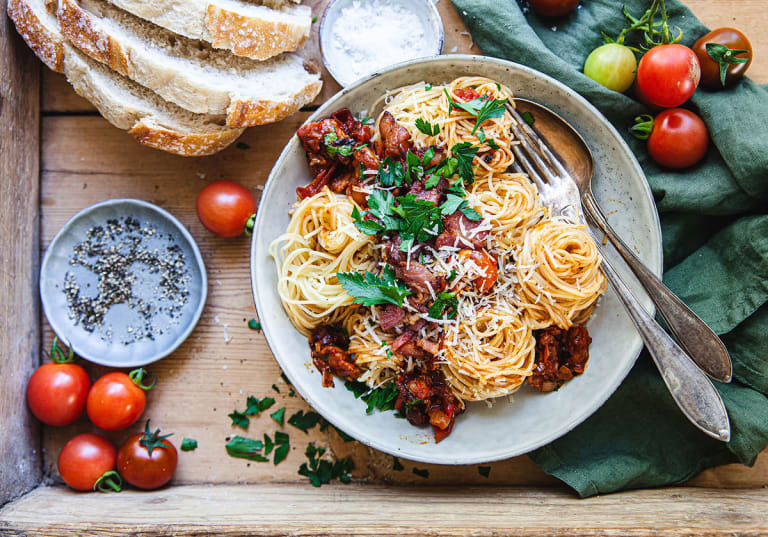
425,10
531,419
92,345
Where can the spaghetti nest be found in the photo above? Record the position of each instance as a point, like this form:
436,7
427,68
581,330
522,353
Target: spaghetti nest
488,356
510,202
320,241
431,103
558,272
370,346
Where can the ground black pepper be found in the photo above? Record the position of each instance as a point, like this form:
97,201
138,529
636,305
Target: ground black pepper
135,266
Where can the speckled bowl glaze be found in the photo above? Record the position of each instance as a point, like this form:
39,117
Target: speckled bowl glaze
528,420
425,10
90,345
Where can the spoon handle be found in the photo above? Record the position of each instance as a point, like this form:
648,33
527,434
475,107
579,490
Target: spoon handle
694,335
691,389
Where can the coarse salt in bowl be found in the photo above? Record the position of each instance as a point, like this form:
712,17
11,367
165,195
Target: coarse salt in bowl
361,37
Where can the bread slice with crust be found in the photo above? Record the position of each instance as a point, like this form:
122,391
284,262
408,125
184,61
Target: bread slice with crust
39,28
153,121
245,28
187,72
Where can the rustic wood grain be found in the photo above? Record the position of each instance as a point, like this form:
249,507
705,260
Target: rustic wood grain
351,510
19,314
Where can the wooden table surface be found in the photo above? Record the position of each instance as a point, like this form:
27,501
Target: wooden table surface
85,160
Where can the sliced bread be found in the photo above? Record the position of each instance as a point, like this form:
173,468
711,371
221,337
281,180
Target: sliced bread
150,119
247,29
38,26
187,72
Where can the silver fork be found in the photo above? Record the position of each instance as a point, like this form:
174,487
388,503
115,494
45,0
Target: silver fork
690,387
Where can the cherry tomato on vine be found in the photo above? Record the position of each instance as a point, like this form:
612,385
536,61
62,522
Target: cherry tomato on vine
87,462
677,138
117,399
57,391
724,55
668,74
226,208
613,65
553,8
147,460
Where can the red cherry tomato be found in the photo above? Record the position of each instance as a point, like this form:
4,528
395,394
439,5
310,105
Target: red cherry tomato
553,8
733,40
87,462
224,207
668,74
147,460
679,138
117,400
487,264
57,391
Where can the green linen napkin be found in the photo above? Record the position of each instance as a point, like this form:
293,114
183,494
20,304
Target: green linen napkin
715,231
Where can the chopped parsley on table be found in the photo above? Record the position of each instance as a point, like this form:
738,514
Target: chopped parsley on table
321,471
188,444
304,422
255,405
239,419
279,416
246,448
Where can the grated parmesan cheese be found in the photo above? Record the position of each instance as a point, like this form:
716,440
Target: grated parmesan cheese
372,34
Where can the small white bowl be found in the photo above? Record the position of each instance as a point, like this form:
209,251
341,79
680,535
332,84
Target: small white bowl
425,10
112,351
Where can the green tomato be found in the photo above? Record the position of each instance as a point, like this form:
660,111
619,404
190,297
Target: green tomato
612,65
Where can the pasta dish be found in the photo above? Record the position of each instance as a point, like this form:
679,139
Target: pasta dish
422,270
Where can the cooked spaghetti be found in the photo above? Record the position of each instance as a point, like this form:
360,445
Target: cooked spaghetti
418,264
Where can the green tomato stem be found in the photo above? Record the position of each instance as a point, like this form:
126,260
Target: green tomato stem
249,224
57,355
643,127
137,376
109,482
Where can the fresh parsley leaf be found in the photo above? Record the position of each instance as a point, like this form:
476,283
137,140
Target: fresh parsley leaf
239,419
188,444
484,139
397,465
482,108
471,214
492,144
421,218
421,473
303,421
334,146
274,387
253,324
320,471
427,87
285,379
484,471
278,416
281,452
457,188
465,154
380,203
268,444
369,289
369,227
242,145
452,275
451,204
414,168
314,19
528,118
427,128
391,173
446,302
246,448
357,388
432,181
281,438
429,154
481,135
255,406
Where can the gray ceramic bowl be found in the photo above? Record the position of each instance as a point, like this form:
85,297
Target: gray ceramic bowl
106,344
425,10
530,419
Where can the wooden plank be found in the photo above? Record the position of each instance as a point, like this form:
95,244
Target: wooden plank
19,313
352,510
58,96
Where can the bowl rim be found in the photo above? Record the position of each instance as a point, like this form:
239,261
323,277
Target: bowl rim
655,230
198,259
436,20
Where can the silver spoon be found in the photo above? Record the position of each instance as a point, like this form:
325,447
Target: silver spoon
693,334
